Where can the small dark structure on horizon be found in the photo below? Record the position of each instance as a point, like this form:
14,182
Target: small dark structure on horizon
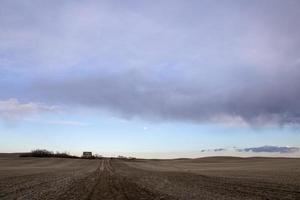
87,154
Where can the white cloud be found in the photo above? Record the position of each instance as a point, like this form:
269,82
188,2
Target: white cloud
12,109
230,120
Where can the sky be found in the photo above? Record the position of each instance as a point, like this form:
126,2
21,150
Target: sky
151,78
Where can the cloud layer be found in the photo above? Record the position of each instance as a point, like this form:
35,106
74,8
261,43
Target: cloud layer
234,62
270,149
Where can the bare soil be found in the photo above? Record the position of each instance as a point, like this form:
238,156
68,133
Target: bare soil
186,179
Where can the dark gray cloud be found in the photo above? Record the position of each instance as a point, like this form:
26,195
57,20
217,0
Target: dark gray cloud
219,149
233,62
213,150
270,149
172,97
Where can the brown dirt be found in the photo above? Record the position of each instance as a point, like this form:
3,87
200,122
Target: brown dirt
186,179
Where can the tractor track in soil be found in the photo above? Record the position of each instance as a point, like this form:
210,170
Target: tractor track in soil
110,185
105,184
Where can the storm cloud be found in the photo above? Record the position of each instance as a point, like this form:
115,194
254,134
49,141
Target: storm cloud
199,61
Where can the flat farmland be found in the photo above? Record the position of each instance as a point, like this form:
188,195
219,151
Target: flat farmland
186,179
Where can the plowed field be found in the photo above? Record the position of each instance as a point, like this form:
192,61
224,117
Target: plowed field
186,179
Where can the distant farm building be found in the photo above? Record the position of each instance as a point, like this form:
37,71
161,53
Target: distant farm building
87,154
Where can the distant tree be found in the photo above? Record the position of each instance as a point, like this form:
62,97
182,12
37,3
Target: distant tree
46,153
42,153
